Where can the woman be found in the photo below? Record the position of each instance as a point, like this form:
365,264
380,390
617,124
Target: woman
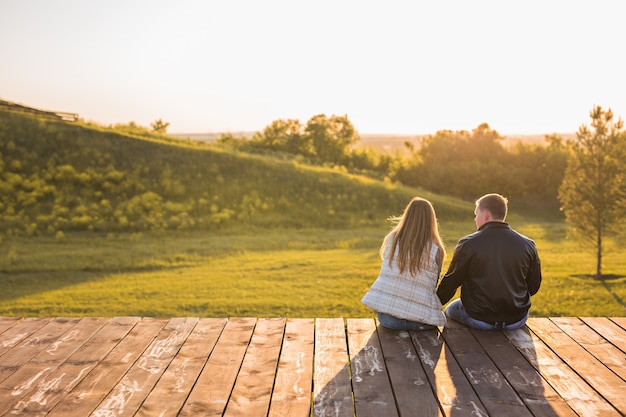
404,294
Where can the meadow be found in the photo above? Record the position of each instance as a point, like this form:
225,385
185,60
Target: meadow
274,273
101,221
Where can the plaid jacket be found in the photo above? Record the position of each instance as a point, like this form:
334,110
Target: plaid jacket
406,296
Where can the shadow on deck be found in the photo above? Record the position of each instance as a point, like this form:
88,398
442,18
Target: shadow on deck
303,367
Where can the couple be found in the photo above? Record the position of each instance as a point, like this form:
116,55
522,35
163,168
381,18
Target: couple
497,269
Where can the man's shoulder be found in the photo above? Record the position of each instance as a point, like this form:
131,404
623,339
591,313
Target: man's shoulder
528,241
486,229
469,238
515,237
521,236
489,231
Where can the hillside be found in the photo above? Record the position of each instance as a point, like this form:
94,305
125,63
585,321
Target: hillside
58,176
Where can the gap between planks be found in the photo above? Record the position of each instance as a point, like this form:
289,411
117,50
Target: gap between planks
302,367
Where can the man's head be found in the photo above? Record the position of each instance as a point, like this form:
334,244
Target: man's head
490,208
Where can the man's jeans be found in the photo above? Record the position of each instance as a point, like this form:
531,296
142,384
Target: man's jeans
456,311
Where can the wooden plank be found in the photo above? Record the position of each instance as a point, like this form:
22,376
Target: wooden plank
170,393
454,392
70,342
373,396
38,383
494,391
128,395
594,343
410,384
293,387
42,339
212,390
91,390
605,382
242,367
253,388
609,330
7,322
55,385
332,391
620,321
567,383
13,336
537,394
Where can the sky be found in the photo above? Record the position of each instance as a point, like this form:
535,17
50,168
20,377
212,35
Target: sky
394,67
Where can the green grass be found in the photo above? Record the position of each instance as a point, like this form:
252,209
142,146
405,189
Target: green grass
280,273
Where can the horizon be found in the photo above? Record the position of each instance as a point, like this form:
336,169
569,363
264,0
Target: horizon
252,132
407,68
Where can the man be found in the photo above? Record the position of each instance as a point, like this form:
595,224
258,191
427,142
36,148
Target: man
497,268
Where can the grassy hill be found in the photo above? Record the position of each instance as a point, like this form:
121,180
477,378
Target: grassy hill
58,176
260,237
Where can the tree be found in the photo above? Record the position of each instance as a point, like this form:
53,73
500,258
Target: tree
331,137
159,126
593,191
285,135
462,163
536,171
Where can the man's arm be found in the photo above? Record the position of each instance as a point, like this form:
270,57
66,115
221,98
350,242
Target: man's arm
455,275
533,280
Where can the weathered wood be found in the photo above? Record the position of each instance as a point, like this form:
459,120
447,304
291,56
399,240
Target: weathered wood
293,388
130,392
171,391
537,394
249,367
605,352
609,330
332,389
454,392
92,389
496,394
620,321
13,335
569,385
210,394
66,362
411,386
7,322
253,388
44,338
605,382
373,396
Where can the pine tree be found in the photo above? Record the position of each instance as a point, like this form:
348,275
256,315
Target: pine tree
593,191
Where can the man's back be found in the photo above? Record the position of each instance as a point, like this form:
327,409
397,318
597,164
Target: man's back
498,270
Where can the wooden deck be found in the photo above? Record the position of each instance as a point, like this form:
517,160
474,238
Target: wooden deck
309,367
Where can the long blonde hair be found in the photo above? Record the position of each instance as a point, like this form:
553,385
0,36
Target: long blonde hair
416,230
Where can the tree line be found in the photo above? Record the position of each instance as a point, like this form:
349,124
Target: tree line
458,163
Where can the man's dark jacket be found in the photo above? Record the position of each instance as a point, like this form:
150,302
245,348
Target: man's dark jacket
498,269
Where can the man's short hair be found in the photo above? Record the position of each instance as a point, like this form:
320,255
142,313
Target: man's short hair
495,204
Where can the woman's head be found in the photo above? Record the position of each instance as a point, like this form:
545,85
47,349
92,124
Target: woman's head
419,218
417,229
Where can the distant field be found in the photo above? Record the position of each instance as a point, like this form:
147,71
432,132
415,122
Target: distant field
310,273
392,142
387,142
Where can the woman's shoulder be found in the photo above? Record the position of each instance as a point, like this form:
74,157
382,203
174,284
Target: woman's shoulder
434,247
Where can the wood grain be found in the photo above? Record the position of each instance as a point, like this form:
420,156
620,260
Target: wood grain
279,367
